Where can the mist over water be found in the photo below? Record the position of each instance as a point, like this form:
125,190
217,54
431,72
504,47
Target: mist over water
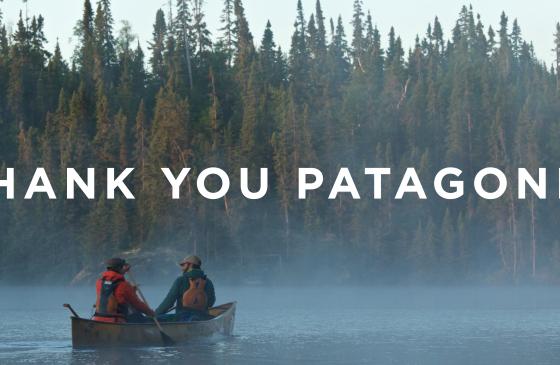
323,325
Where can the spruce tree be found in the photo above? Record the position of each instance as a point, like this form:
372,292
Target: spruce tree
321,38
141,138
57,74
270,60
228,37
203,36
106,142
86,33
121,126
245,46
157,46
557,52
358,45
105,53
168,146
516,40
299,55
504,51
183,24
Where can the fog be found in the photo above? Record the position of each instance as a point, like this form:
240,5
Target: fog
331,324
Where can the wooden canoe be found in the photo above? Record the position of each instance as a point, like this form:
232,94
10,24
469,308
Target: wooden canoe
90,334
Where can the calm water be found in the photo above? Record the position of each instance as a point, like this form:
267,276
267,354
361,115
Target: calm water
314,326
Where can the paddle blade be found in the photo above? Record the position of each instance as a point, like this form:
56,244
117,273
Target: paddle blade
167,341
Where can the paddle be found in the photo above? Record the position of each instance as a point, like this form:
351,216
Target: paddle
66,305
167,341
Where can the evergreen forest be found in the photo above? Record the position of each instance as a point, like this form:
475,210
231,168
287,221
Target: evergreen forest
345,94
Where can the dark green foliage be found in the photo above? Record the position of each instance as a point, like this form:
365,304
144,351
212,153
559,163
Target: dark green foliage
157,47
479,99
228,38
105,48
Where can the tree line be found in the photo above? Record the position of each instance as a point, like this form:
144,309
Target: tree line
336,98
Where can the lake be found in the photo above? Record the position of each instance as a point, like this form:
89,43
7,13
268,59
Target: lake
326,325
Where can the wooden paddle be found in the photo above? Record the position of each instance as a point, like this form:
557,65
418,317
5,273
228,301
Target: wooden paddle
69,307
167,341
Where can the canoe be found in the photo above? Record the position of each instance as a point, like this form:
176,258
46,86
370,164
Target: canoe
91,334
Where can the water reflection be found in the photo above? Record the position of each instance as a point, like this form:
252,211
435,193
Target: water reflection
210,351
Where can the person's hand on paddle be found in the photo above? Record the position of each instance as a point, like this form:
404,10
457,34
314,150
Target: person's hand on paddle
167,341
151,313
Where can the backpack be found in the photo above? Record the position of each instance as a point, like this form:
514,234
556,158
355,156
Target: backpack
195,296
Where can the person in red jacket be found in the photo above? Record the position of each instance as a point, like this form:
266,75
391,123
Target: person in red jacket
116,298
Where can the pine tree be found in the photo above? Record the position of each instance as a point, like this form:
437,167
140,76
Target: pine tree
291,149
251,125
4,47
105,53
204,43
373,59
139,76
491,40
157,46
38,39
299,55
73,133
245,46
267,50
185,39
228,38
271,60
528,155
121,126
245,54
168,146
480,42
320,44
141,138
17,76
557,52
516,41
438,36
504,51
50,139
358,45
140,160
106,142
133,79
339,65
312,35
86,34
57,73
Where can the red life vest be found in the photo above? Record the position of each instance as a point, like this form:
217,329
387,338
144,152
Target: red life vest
107,308
195,297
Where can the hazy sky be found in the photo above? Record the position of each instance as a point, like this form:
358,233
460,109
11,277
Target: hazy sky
537,18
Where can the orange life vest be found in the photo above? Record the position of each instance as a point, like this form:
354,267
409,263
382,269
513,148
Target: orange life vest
195,296
107,308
